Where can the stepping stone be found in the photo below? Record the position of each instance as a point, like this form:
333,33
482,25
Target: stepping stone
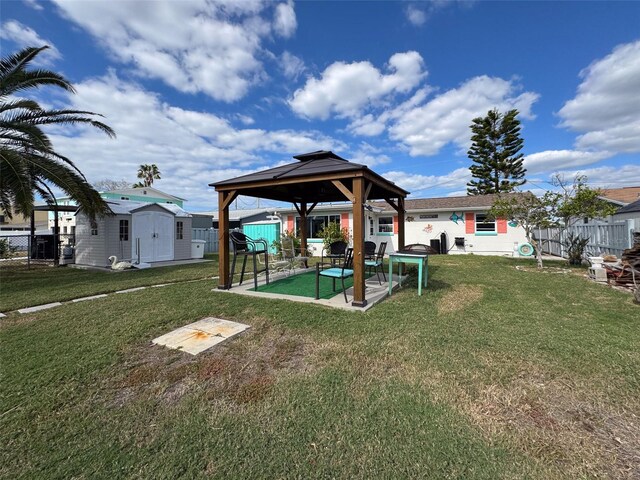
93,297
131,290
39,307
2,315
199,336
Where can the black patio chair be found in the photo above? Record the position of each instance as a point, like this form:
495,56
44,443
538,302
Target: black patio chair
245,247
345,271
369,250
376,262
335,252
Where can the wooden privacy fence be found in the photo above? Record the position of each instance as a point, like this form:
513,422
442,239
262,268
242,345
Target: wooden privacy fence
209,235
611,238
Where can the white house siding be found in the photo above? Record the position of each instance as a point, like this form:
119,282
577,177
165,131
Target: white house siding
417,231
182,248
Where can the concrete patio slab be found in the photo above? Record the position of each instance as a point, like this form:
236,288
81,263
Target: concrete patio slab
39,307
374,292
199,336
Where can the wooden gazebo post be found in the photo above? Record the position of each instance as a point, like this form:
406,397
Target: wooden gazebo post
224,200
358,243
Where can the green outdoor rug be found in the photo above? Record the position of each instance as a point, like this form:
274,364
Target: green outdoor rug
304,285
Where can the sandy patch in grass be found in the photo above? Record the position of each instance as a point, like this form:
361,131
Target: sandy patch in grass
459,298
240,370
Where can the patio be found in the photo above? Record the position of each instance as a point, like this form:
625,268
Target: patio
296,288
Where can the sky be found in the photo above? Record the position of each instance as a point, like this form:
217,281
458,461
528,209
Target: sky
213,90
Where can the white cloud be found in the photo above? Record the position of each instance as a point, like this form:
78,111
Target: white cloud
419,184
285,22
196,46
345,89
25,36
606,109
369,155
427,128
608,177
415,15
553,160
191,148
291,65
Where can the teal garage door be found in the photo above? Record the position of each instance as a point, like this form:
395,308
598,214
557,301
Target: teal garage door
270,231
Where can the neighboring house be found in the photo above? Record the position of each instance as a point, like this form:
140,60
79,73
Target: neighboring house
161,231
66,221
237,218
621,196
200,220
631,214
460,224
20,223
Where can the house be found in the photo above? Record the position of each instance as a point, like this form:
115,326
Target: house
66,221
21,223
237,218
148,232
630,213
621,196
453,225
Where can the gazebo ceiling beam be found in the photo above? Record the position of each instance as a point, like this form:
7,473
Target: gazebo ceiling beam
345,191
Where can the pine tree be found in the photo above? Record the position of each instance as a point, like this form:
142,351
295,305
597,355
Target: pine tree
497,164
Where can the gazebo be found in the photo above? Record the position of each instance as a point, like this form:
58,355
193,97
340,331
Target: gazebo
317,177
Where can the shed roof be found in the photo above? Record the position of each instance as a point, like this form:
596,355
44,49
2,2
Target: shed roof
125,207
632,207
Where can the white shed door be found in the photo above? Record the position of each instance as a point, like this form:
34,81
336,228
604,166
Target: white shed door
155,231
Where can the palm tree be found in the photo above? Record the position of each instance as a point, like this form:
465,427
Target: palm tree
148,173
28,162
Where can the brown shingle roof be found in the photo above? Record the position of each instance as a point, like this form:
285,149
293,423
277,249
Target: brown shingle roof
623,195
450,203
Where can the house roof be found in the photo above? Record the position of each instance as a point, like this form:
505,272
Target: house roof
468,202
622,195
310,180
633,207
239,214
152,192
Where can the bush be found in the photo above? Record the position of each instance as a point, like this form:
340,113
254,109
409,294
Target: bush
333,232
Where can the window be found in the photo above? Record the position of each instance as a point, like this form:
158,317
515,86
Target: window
124,230
179,230
484,225
385,225
94,228
64,230
124,198
371,227
73,229
316,223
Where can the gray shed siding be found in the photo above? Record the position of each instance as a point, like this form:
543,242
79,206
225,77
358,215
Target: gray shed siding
182,248
113,245
90,249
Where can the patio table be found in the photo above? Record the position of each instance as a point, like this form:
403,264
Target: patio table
413,257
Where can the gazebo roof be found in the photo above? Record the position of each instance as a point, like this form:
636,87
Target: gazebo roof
310,180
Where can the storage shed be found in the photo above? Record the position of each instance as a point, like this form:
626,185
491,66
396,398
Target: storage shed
161,232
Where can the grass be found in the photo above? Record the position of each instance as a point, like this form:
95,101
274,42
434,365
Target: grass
492,373
45,284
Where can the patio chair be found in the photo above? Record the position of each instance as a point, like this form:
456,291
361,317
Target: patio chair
245,247
292,254
376,263
335,252
345,271
369,250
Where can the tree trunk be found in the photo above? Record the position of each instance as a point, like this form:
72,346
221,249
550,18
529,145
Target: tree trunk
537,246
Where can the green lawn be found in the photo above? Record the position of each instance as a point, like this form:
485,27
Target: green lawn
493,373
